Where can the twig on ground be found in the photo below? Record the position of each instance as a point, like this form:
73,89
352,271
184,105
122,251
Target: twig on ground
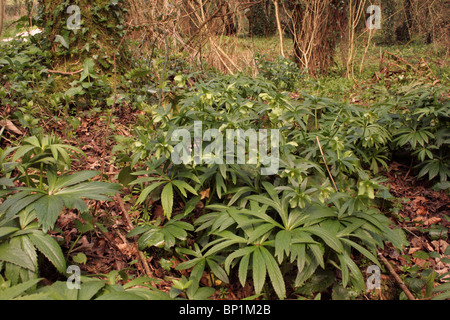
141,256
66,73
397,277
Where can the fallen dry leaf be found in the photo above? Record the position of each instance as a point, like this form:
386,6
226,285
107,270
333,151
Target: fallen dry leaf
413,250
432,220
159,213
429,247
440,245
419,200
205,194
11,127
422,211
419,262
417,243
418,219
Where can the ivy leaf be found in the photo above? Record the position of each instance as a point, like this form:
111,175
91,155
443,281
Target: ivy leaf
63,41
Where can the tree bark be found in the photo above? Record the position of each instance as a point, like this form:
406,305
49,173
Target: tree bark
101,30
317,26
2,15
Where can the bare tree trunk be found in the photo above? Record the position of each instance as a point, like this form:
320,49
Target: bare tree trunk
316,25
280,29
356,12
2,15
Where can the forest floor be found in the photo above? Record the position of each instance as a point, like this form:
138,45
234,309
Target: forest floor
421,212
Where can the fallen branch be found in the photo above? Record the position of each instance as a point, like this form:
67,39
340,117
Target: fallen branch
397,277
141,256
399,59
66,73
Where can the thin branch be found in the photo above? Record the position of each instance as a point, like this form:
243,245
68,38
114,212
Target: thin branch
66,73
214,15
397,277
141,256
280,29
326,164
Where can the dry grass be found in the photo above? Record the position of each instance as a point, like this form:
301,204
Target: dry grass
197,32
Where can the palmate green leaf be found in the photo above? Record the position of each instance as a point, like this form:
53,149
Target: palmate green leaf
207,220
237,193
314,215
243,269
221,246
298,251
6,182
259,270
178,229
362,250
222,221
272,192
220,186
139,230
445,292
18,290
21,152
190,263
274,272
91,190
218,271
347,264
15,255
355,223
183,186
146,192
387,233
5,231
57,151
261,232
151,238
27,247
50,249
282,244
17,202
167,200
201,294
75,203
70,180
196,275
264,200
311,266
330,239
318,252
89,289
48,209
237,254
